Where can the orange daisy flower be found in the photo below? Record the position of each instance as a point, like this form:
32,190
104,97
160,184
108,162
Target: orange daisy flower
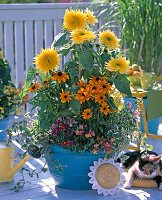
45,82
83,95
94,79
82,84
60,76
65,96
105,109
100,98
34,87
87,113
103,86
93,88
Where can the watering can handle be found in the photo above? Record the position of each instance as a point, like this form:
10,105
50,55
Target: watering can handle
19,165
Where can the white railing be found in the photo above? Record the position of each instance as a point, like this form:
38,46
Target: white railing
25,29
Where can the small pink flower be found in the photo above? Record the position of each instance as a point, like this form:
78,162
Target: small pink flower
64,143
56,130
81,126
71,143
93,133
129,104
70,124
136,113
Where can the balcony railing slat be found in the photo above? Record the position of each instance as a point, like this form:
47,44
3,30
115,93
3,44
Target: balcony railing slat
9,50
38,36
49,36
19,52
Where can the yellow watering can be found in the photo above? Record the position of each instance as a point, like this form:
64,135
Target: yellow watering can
7,167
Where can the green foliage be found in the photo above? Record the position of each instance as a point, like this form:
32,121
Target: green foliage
123,84
31,75
9,101
141,32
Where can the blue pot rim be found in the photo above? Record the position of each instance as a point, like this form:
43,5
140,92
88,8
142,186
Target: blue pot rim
6,119
59,149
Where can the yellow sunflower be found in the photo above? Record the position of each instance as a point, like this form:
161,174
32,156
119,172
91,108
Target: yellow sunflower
60,76
65,96
47,60
100,98
109,39
91,19
118,64
34,87
87,113
74,19
79,36
105,108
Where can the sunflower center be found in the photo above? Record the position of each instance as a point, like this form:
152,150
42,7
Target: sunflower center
88,113
82,33
45,81
94,88
59,73
109,39
104,86
65,96
118,64
104,108
83,95
97,78
33,87
101,97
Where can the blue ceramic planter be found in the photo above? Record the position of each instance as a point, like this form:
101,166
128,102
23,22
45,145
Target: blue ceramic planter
75,172
4,125
152,124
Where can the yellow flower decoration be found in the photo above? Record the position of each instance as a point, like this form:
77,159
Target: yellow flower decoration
48,59
91,19
118,64
79,36
87,113
60,76
74,19
118,100
109,39
65,96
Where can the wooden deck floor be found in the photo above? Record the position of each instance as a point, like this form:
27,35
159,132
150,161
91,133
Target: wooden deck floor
44,187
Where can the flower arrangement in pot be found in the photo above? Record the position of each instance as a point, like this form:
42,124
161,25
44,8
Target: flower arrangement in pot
10,103
80,109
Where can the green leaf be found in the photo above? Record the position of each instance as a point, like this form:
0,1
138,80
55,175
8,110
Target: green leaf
28,81
64,50
123,84
86,59
75,105
60,39
5,70
110,155
105,57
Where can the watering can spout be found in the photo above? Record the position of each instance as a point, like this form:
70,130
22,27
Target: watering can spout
19,165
